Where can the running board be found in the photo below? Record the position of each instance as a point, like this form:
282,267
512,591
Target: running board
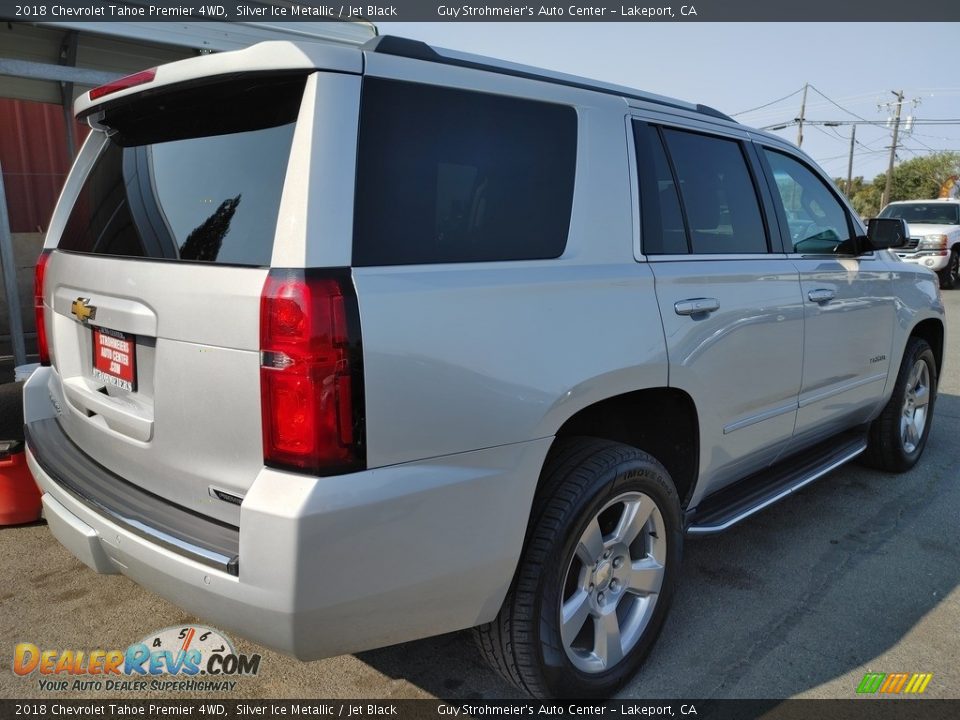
727,507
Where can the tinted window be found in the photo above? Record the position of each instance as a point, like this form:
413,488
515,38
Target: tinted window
207,190
719,197
663,229
925,213
453,176
816,219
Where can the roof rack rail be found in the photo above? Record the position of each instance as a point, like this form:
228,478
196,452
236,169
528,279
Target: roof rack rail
419,50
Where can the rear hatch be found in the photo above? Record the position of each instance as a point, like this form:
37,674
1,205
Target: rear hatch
154,287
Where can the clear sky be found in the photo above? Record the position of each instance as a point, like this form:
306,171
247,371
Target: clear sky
738,66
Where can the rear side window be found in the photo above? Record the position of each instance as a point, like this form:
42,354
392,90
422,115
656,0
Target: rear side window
193,174
448,175
719,197
663,230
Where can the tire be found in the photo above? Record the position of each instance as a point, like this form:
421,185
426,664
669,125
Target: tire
893,445
950,275
576,554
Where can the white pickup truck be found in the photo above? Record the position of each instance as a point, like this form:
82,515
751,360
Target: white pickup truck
934,236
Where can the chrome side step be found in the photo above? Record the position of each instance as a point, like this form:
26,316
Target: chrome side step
730,505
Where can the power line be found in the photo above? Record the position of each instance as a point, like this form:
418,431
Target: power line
845,155
772,102
833,136
936,137
921,142
875,123
930,149
773,111
832,102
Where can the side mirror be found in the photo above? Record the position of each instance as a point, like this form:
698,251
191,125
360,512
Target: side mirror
885,233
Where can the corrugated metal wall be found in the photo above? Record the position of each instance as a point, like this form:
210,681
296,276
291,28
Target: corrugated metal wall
35,160
33,146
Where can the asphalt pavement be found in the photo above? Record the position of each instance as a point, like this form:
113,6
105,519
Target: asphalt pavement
857,573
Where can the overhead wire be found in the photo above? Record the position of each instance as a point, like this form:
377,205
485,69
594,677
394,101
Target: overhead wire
772,102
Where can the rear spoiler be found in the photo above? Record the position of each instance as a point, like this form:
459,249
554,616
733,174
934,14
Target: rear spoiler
265,56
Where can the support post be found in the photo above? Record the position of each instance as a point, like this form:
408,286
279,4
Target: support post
853,141
10,280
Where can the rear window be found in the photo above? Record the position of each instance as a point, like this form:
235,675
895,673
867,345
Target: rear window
448,175
192,174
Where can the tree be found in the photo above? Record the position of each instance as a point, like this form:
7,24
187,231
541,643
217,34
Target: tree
918,178
864,196
205,240
921,177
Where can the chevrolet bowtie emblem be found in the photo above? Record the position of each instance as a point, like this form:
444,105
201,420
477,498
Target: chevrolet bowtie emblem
83,310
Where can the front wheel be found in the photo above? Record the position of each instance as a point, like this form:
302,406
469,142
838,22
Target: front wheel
950,275
899,435
597,575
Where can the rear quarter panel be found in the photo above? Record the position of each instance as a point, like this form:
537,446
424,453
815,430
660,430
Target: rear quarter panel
460,357
473,357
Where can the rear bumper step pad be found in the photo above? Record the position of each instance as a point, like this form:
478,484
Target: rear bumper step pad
188,533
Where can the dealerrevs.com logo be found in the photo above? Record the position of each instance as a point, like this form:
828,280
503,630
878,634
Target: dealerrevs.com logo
192,658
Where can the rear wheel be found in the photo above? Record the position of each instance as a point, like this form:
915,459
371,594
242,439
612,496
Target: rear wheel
596,577
899,435
950,275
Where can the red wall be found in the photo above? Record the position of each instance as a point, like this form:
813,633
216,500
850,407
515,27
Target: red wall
33,152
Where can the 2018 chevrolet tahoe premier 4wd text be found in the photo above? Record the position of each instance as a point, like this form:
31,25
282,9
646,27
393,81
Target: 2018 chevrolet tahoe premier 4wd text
347,347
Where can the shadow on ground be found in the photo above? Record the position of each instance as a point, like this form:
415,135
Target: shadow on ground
794,598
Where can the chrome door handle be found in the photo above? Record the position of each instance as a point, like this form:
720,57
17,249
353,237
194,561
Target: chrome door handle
821,295
695,306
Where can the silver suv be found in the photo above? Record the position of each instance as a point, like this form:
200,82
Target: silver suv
347,347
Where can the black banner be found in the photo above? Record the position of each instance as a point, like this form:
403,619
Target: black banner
488,11
854,709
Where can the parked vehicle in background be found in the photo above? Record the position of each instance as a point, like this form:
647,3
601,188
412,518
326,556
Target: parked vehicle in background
344,348
934,236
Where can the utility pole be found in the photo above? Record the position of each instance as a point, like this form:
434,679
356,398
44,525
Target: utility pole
893,148
853,141
803,107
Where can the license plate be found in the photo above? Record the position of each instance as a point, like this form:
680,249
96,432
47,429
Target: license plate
114,358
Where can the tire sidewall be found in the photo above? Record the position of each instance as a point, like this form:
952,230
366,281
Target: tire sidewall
949,275
560,675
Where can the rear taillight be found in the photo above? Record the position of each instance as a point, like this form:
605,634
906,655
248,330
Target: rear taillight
39,273
310,374
139,78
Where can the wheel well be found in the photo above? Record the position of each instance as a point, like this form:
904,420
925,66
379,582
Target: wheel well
932,331
660,421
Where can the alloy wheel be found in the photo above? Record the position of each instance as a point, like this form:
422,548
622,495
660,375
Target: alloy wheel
613,582
913,418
